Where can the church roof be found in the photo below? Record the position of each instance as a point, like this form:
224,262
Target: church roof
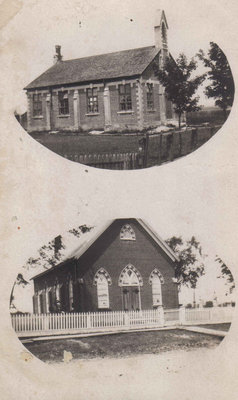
87,241
119,64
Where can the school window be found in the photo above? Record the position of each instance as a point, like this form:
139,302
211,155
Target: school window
37,105
41,308
63,103
150,96
125,103
50,301
92,100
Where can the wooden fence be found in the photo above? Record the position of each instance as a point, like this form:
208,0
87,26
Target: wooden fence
168,146
118,161
134,152
49,324
207,315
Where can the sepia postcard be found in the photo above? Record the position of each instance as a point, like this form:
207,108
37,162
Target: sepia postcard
119,196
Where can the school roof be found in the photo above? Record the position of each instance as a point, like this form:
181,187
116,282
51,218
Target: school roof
88,239
120,64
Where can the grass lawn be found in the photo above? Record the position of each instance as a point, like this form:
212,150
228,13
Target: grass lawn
121,345
69,145
85,143
220,327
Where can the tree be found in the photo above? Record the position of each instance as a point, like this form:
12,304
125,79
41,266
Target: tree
48,256
179,86
226,274
20,281
190,266
222,85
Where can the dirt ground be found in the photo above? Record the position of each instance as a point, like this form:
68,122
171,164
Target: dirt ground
121,345
220,327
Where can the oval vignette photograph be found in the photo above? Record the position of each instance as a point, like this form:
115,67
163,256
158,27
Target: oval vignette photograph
119,290
138,103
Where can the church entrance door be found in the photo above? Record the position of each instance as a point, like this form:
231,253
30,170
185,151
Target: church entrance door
131,298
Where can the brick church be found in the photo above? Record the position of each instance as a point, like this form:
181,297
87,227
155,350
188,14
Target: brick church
124,265
114,91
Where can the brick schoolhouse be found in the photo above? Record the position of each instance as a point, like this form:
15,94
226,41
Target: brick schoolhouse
123,266
114,91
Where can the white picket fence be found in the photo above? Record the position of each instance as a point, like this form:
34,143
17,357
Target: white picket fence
50,324
207,315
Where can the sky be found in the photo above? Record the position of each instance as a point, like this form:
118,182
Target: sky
85,28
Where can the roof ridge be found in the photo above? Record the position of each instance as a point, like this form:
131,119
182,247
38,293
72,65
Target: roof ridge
105,54
87,242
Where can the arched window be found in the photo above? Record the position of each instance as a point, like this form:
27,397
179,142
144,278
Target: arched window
130,276
155,280
127,233
102,280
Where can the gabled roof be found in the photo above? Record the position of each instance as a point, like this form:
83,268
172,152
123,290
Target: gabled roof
120,64
91,237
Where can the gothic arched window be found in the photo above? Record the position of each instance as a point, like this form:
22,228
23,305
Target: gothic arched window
155,280
102,280
130,276
127,233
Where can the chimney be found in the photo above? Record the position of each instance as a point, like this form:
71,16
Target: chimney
57,57
57,245
160,30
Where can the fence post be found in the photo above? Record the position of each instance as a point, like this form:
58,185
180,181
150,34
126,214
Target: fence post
194,138
127,320
171,147
161,316
46,324
182,316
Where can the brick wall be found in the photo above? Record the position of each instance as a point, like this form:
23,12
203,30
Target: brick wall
152,117
114,255
120,120
91,121
36,123
123,120
62,121
142,253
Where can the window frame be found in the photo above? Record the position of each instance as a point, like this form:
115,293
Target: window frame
63,102
92,101
102,291
150,96
127,233
156,294
125,98
37,108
